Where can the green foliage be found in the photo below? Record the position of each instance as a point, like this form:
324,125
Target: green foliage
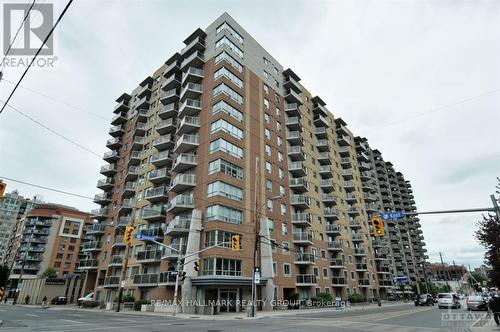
4,275
125,298
488,235
90,304
294,297
49,273
322,299
356,298
138,304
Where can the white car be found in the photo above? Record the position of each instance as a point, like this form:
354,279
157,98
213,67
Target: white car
448,300
87,298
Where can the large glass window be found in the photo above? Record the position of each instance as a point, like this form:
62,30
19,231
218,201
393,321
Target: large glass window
221,267
223,71
223,145
220,165
225,41
229,128
223,88
229,59
222,106
224,213
220,238
226,27
220,188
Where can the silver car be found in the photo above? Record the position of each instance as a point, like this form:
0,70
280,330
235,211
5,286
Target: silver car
477,302
448,300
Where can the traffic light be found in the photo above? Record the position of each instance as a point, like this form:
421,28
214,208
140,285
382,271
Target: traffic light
2,188
196,266
235,242
378,226
129,233
1,293
182,276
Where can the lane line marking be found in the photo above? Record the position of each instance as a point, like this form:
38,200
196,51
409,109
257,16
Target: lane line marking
31,315
72,321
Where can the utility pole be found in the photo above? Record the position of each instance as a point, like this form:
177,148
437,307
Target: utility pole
446,274
124,265
256,241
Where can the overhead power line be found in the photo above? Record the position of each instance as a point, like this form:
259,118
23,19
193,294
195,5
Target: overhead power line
37,53
26,17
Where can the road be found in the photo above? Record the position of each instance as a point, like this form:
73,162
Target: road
404,318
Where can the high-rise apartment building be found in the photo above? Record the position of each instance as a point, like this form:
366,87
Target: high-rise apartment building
12,208
219,141
48,236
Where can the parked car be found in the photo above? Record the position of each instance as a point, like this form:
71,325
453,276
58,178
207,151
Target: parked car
448,300
477,302
59,300
87,298
424,299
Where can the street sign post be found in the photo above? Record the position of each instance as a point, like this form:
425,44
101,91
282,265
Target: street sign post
392,215
146,237
257,275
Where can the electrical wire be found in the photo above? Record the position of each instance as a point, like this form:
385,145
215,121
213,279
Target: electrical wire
17,32
36,54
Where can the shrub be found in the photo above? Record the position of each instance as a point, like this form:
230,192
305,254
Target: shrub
125,298
356,298
90,304
322,299
138,304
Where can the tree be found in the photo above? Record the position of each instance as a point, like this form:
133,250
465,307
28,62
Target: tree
4,275
49,273
488,234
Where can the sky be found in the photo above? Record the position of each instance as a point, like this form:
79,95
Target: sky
419,79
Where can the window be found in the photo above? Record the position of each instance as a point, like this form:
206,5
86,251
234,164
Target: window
286,270
223,71
286,248
283,209
316,272
270,204
220,238
223,88
221,267
268,150
269,185
225,41
220,165
224,213
270,225
275,70
266,62
278,112
269,167
323,254
281,173
282,191
229,128
274,269
266,89
229,148
220,188
284,228
226,27
266,103
266,118
267,133
278,126
280,141
222,106
280,156
229,59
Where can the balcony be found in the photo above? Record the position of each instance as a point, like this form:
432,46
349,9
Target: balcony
160,159
129,189
102,199
300,238
347,174
193,75
164,142
327,185
180,203
306,280
331,213
122,106
178,226
182,182
184,161
191,91
326,171
116,260
335,246
293,123
322,145
336,263
324,158
299,185
135,158
105,184
108,170
156,194
371,208
99,214
167,111
140,127
151,231
146,280
126,205
167,278
87,264
113,143
95,229
333,229
295,153
116,131
292,109
294,138
172,68
304,259
142,103
320,121
111,282
137,143
297,169
169,254
320,109
196,59
91,246
293,97
148,256
301,219
159,175
153,214
132,173
118,119
300,201
188,124
186,143
118,242
170,96
354,224
359,252
365,166
343,140
291,83
190,107
363,283
124,221
328,199
172,82
166,126
353,211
